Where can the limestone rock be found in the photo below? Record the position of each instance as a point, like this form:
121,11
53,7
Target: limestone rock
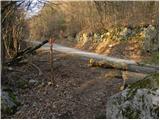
9,103
150,39
134,104
139,101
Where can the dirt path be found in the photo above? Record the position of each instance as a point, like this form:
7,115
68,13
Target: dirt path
80,92
78,52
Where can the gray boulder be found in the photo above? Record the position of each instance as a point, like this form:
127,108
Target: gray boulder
134,104
9,103
150,39
139,101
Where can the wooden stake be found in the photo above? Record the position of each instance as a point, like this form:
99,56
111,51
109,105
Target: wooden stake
51,61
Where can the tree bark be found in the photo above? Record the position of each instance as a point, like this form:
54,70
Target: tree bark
22,54
125,66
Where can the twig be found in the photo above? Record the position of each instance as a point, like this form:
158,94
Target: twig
35,66
51,60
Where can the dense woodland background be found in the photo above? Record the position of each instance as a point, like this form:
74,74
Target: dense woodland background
73,17
69,17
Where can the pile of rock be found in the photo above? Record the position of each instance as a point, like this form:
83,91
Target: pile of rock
147,34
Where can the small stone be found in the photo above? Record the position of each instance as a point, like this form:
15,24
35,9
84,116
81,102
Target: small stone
34,104
33,81
107,33
57,85
110,46
49,83
10,68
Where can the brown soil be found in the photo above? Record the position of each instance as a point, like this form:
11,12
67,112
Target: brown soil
79,91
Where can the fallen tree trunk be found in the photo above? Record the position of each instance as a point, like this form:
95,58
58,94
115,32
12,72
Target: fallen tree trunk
107,62
22,54
125,66
132,77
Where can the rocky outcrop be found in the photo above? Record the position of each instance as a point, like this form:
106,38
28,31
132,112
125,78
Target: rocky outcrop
135,104
139,101
150,42
147,36
9,103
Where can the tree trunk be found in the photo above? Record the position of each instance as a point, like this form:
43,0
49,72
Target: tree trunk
125,66
20,55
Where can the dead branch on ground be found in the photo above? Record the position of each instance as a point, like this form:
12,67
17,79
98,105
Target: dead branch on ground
24,54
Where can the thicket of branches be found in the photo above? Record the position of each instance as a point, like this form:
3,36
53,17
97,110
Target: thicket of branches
73,17
12,27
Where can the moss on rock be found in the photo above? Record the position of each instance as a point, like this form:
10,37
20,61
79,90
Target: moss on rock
9,103
151,82
139,100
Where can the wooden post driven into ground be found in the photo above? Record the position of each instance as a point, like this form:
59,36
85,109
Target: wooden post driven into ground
51,41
